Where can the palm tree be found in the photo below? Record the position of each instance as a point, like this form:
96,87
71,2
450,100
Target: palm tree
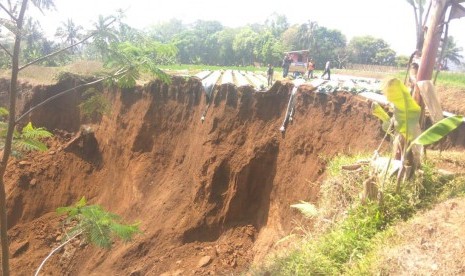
34,38
69,32
305,37
105,36
451,53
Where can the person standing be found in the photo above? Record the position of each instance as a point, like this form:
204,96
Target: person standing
327,70
286,65
310,68
270,73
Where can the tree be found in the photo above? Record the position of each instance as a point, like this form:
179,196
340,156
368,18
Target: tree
189,45
277,24
33,38
69,32
401,61
305,37
205,32
166,31
385,56
106,37
225,39
418,10
451,53
428,55
14,25
289,38
371,50
268,49
124,71
124,32
198,44
244,45
327,43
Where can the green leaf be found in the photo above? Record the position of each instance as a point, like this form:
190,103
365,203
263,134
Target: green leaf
97,225
94,104
406,110
30,145
438,131
125,232
4,112
64,210
81,203
30,132
379,112
3,129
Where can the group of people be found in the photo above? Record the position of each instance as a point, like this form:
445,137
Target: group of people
287,63
311,67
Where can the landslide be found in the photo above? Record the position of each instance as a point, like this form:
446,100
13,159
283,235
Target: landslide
218,189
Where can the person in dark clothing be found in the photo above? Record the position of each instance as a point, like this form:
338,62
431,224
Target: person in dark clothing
286,64
327,70
270,73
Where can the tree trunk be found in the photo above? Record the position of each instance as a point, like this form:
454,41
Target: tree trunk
430,49
432,40
9,140
417,28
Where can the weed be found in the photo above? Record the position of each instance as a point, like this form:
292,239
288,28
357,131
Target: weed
342,187
94,105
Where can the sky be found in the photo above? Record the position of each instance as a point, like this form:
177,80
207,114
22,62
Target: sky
391,20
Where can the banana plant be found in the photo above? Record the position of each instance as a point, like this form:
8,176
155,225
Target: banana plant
405,120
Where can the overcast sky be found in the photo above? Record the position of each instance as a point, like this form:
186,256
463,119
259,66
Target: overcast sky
391,20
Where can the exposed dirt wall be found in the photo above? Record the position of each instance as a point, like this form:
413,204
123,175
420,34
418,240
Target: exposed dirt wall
221,188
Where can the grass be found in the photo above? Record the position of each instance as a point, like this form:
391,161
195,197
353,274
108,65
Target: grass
374,262
193,68
368,74
451,79
47,75
350,246
446,79
35,74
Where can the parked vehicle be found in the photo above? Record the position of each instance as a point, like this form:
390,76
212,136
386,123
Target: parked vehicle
299,62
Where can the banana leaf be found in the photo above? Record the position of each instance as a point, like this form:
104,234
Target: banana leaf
379,112
406,110
438,131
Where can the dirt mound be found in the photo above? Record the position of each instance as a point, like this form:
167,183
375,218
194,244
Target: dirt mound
211,196
452,99
426,246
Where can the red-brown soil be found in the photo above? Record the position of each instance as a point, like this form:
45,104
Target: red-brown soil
452,99
221,188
